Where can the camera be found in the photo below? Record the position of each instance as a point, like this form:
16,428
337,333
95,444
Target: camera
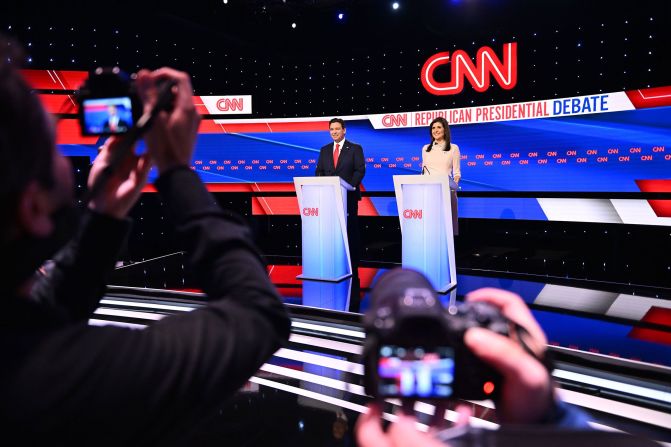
415,347
108,102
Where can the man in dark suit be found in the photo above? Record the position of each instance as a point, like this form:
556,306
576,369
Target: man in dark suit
114,123
344,159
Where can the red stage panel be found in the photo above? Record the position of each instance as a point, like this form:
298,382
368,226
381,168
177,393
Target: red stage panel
366,276
200,107
274,205
650,97
662,208
54,79
284,274
307,126
366,208
657,315
266,206
68,132
229,187
59,103
209,126
245,128
290,292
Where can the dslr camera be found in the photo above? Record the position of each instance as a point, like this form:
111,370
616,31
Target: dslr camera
108,102
415,348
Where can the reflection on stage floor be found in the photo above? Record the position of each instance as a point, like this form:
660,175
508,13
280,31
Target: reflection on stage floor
611,343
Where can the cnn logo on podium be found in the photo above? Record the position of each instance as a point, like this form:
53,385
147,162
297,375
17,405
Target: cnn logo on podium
412,214
310,212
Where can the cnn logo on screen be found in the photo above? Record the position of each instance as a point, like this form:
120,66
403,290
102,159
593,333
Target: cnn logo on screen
310,212
228,105
232,104
477,72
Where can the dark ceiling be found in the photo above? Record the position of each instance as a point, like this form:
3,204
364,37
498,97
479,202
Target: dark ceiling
368,62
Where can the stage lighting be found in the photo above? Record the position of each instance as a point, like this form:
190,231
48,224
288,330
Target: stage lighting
395,5
293,25
341,16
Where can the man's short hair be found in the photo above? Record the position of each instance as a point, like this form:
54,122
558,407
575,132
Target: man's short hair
337,120
26,137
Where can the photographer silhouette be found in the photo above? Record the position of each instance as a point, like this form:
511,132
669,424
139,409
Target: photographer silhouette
526,398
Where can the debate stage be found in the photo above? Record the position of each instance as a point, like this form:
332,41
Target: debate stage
611,344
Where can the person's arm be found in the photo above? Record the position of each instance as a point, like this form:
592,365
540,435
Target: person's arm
456,164
76,280
423,155
320,164
143,387
203,357
359,166
156,385
528,395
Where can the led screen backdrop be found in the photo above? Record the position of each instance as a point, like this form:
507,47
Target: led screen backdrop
616,142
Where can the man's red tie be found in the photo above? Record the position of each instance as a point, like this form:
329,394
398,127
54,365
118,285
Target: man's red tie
336,154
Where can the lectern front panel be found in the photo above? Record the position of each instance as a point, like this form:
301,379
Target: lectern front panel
322,234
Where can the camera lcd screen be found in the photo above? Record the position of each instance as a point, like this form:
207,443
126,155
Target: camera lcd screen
417,371
107,115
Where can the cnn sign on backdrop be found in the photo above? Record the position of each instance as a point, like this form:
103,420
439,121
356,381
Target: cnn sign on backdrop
462,68
228,105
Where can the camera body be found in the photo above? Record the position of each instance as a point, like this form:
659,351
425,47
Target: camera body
415,347
108,102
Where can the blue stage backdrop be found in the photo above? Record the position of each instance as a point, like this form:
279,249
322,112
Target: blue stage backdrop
624,148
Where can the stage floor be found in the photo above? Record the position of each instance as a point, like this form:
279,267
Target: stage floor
611,342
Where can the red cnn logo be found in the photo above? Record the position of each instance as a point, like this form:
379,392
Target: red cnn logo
412,214
310,211
462,67
226,104
397,120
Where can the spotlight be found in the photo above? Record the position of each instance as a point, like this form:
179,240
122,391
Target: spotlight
341,16
395,5
225,2
293,25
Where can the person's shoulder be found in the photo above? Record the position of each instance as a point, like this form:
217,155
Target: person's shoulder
353,146
327,146
454,146
425,147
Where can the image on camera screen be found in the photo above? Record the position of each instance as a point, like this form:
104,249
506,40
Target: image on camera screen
107,115
415,371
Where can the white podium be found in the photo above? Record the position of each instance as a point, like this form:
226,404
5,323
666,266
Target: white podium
327,294
426,227
322,204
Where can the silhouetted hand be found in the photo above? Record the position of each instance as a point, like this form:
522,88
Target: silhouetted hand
172,137
527,393
124,186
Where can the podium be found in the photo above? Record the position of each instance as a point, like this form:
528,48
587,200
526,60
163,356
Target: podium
322,204
327,294
426,227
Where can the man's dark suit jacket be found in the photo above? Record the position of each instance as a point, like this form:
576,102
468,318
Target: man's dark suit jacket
121,126
351,164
